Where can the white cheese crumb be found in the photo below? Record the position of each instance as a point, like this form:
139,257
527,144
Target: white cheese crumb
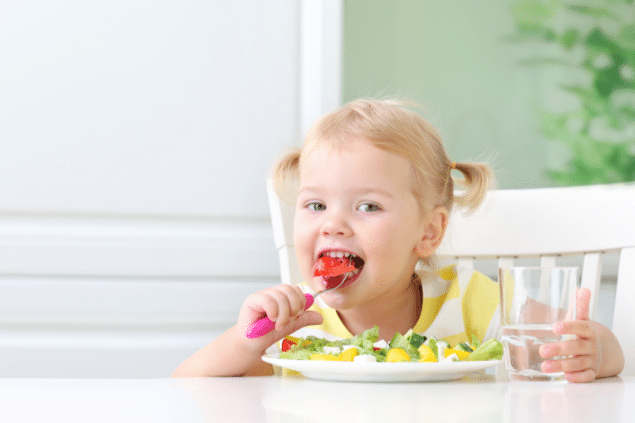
381,344
332,350
441,346
365,358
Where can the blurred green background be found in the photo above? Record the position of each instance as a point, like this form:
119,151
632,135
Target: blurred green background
544,91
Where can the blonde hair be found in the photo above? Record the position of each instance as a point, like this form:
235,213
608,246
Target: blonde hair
388,125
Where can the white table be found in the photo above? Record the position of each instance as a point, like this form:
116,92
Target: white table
276,399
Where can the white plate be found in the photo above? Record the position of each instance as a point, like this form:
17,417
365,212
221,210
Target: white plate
380,372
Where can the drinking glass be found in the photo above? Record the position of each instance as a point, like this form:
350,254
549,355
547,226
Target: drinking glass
532,300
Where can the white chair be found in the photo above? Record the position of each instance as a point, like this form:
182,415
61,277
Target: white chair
585,226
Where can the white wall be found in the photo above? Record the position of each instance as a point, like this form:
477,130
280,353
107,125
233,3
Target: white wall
135,139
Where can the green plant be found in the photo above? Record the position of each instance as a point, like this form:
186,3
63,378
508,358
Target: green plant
598,38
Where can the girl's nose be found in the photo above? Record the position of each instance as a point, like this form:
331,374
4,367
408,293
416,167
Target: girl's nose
335,224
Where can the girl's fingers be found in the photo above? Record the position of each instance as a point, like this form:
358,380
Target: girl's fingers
291,305
568,365
575,369
582,353
583,301
280,304
579,328
585,376
306,319
295,298
262,304
574,347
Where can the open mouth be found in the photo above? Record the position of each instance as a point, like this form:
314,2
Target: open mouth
334,266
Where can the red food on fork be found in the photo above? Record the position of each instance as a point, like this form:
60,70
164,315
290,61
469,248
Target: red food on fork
328,266
334,271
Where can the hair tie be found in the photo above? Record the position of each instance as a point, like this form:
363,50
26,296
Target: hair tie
453,165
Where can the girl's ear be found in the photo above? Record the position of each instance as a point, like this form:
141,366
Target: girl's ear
433,233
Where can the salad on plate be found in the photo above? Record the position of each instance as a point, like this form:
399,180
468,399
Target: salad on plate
367,347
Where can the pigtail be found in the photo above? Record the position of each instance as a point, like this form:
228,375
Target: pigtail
285,176
479,178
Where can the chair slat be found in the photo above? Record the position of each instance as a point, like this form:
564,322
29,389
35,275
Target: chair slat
467,262
505,262
623,314
548,261
284,254
591,275
545,261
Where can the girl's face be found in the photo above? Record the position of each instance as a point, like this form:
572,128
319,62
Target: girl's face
358,200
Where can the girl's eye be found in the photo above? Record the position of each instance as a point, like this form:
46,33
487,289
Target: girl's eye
316,206
369,207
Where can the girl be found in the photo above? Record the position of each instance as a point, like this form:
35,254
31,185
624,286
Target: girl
373,183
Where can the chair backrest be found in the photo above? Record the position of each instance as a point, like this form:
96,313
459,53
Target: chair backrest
282,215
593,227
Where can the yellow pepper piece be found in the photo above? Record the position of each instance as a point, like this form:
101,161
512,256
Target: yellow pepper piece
348,355
324,357
396,355
427,356
459,353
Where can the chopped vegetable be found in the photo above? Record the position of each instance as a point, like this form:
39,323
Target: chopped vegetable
323,357
416,340
348,354
427,355
459,353
410,347
403,342
397,355
287,344
441,347
475,342
432,344
464,346
490,350
290,341
367,339
451,357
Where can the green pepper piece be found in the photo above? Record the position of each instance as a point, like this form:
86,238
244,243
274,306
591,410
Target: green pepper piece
490,350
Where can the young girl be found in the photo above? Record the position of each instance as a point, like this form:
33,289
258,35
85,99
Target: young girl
373,183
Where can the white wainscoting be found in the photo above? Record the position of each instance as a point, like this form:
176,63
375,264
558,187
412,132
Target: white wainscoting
107,297
135,141
112,327
137,246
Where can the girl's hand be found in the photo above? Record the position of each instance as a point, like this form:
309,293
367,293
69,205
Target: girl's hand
283,304
584,353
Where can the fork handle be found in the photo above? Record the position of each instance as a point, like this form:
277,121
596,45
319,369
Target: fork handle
265,325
